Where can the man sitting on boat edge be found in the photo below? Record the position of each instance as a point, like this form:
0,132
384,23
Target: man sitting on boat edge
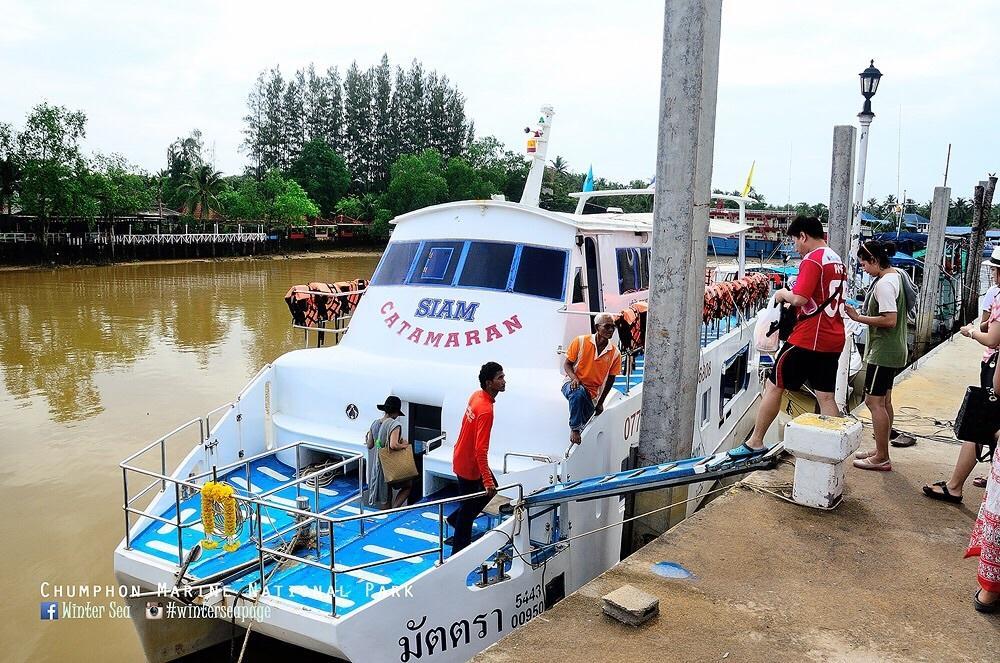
591,365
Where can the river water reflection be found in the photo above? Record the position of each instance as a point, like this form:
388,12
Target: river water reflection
95,363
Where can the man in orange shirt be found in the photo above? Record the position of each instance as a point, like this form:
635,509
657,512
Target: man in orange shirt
470,459
592,362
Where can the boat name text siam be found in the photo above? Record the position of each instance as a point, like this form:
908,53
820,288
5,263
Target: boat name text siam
446,309
415,334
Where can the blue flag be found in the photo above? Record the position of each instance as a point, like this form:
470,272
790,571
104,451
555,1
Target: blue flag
588,184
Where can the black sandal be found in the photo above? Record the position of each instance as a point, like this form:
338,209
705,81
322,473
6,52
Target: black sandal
945,495
985,608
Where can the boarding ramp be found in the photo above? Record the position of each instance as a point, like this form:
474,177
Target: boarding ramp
653,477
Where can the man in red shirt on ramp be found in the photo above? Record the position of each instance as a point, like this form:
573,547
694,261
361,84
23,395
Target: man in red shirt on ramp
470,459
812,352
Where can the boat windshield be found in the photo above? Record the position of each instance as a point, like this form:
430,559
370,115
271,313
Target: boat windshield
520,268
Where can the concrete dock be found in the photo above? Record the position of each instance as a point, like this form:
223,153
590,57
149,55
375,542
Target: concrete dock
880,578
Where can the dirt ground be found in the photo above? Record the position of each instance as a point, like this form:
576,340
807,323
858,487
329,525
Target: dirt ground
880,578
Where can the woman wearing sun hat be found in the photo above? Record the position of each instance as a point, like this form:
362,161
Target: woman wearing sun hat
386,431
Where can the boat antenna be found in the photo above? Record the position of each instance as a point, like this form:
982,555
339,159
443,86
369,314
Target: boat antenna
538,144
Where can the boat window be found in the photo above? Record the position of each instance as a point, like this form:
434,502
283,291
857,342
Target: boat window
706,409
528,270
487,265
436,263
735,378
541,272
578,286
395,264
644,268
633,269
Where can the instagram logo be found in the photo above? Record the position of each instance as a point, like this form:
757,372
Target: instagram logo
49,610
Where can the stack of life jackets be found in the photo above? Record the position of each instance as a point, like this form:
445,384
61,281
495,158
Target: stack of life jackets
631,324
317,302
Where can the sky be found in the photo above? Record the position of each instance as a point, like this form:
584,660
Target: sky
148,72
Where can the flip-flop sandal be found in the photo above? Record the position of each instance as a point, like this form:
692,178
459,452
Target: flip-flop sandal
864,464
743,451
979,482
903,440
944,495
986,608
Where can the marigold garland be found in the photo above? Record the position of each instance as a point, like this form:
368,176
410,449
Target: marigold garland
208,493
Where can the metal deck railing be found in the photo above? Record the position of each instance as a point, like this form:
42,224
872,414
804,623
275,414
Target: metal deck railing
258,502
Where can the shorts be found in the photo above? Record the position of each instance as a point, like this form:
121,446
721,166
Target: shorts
879,379
794,366
986,371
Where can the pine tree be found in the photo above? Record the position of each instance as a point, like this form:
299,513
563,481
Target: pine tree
316,104
293,119
415,128
437,123
253,136
273,143
381,122
458,134
397,116
357,123
334,118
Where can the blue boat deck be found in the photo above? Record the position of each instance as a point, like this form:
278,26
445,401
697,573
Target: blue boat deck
386,536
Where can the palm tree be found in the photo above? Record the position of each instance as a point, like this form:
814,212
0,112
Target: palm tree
961,209
559,167
201,187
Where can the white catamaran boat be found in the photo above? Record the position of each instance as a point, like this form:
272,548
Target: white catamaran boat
459,284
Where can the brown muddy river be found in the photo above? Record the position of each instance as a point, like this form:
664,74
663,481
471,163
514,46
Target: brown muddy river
95,363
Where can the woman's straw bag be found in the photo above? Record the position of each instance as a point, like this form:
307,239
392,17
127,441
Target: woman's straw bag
397,464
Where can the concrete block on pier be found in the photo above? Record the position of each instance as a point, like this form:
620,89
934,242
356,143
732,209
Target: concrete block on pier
821,446
630,606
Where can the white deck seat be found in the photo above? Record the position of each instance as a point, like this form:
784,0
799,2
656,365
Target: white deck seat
290,429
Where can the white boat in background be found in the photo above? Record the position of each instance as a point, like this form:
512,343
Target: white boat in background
458,285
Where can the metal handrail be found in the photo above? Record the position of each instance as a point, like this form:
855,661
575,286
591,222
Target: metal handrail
208,416
325,330
257,502
537,457
334,294
160,440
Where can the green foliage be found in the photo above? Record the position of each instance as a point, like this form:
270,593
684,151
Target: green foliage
417,180
350,207
242,200
293,205
322,173
504,169
200,189
465,183
10,168
183,156
117,187
368,117
49,149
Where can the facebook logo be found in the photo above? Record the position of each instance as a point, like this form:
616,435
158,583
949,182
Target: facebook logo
49,610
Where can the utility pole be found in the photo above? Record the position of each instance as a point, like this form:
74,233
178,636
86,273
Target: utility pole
841,201
932,271
688,91
839,229
982,203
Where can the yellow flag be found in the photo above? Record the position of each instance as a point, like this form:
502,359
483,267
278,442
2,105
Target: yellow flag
746,187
